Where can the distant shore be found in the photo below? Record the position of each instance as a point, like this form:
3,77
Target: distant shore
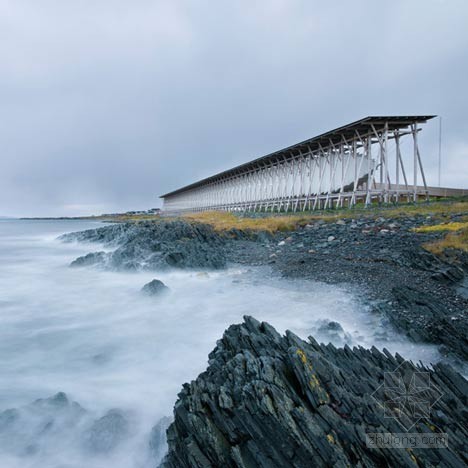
106,217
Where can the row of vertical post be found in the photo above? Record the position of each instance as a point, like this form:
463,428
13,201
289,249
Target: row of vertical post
334,174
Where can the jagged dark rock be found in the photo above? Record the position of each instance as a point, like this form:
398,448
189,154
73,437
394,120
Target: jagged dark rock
111,235
154,288
444,271
278,401
155,245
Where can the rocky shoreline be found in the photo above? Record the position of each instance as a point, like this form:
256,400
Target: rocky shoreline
416,291
270,401
152,246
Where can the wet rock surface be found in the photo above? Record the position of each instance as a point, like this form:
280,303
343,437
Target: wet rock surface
154,288
153,246
332,332
278,401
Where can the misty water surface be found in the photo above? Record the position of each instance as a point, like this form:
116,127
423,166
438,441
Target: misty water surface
93,335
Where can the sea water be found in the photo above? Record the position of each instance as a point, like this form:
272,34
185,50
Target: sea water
93,335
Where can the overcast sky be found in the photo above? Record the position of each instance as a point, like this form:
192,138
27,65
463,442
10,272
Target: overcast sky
106,104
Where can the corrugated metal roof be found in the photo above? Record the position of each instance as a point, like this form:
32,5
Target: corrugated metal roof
312,144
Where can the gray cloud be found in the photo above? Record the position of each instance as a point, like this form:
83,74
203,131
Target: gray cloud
105,105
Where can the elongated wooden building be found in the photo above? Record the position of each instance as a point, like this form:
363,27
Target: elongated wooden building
359,162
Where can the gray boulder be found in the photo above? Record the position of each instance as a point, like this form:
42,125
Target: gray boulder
155,288
333,332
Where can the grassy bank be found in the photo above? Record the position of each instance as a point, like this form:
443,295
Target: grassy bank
456,237
440,212
275,222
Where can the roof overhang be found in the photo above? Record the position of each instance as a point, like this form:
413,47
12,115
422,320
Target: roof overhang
361,127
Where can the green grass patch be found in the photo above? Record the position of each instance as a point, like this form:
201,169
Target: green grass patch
455,226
